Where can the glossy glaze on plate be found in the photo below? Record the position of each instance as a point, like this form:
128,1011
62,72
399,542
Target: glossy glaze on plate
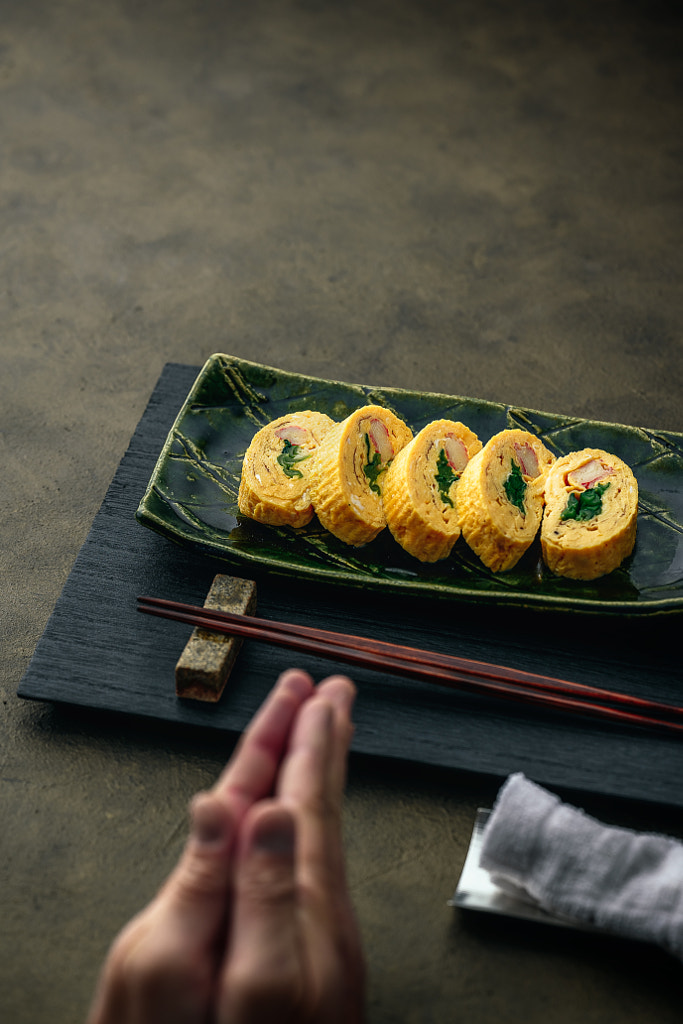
192,495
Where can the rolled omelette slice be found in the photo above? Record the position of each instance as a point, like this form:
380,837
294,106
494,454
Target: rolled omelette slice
348,469
419,489
274,487
591,512
500,497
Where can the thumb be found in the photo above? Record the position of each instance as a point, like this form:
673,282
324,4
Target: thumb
162,965
263,977
196,893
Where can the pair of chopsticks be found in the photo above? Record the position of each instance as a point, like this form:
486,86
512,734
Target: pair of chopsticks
429,666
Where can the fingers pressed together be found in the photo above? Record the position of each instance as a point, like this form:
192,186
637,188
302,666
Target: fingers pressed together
255,924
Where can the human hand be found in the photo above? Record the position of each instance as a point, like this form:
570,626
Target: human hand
255,923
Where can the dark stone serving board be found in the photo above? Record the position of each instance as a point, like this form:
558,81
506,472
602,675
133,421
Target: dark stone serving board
97,651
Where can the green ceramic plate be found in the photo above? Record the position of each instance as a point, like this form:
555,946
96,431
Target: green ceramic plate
192,495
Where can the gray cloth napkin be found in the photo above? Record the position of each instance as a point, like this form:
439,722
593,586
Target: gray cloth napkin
570,864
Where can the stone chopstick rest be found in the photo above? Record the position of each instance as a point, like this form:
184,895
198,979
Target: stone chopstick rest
205,665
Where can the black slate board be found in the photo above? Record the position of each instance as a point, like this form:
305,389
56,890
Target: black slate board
97,651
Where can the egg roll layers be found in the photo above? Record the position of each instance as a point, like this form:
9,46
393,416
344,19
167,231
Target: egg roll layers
494,527
585,549
420,489
274,492
347,473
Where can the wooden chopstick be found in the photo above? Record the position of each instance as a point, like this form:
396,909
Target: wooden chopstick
441,669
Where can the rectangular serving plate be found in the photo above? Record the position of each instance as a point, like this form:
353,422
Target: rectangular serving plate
191,497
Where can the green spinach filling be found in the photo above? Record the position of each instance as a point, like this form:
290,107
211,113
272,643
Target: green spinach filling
585,505
445,477
373,467
515,487
289,456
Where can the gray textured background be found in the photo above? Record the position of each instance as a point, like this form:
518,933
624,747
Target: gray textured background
478,198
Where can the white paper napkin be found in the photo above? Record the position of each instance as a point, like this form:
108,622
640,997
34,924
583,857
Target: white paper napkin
570,864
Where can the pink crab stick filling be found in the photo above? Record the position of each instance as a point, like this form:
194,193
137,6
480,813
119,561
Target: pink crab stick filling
588,474
379,435
528,459
456,452
292,433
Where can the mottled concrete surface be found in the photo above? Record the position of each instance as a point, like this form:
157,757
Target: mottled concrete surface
478,198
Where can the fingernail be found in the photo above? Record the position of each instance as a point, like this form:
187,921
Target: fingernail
274,834
209,826
325,715
296,680
341,690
